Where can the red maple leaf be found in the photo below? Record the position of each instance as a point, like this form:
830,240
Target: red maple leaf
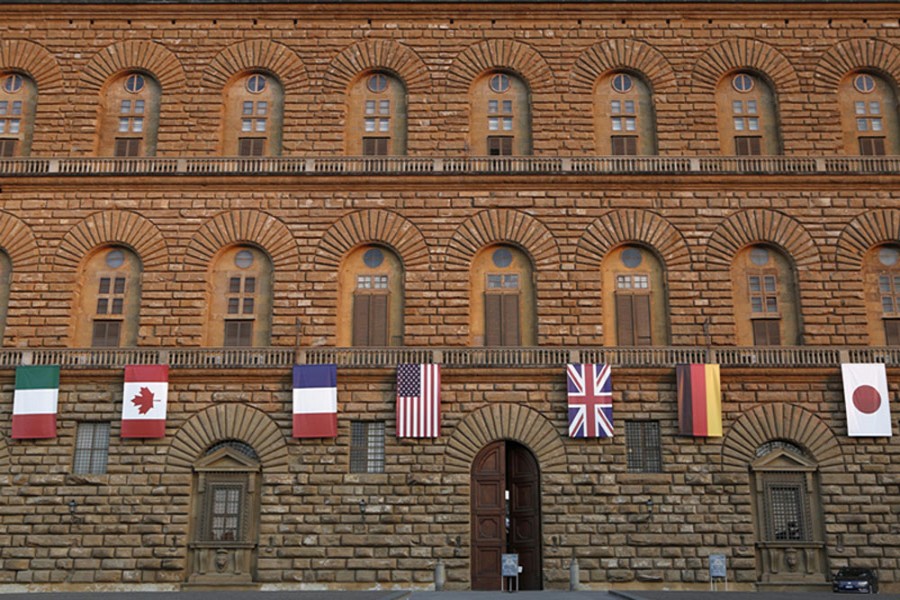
143,401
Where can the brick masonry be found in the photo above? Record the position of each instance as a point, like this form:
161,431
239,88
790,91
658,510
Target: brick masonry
133,524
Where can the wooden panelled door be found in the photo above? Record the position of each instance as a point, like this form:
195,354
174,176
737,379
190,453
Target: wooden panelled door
502,470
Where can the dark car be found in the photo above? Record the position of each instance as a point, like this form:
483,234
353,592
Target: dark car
855,580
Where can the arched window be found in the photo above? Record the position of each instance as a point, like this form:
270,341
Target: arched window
254,105
110,299
240,298
625,122
129,116
500,116
868,115
765,292
376,121
502,298
748,119
881,273
634,303
787,506
18,98
371,298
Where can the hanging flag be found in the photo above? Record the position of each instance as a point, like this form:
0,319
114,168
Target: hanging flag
590,401
35,401
145,397
699,400
866,399
419,401
315,401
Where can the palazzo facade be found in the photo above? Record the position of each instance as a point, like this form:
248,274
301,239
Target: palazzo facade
234,188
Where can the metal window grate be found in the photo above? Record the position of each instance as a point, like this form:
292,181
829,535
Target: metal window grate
226,512
367,447
91,448
787,507
238,445
643,446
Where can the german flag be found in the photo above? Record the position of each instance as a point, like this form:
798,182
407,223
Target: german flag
699,400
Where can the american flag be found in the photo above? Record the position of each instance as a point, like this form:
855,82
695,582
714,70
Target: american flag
419,401
590,401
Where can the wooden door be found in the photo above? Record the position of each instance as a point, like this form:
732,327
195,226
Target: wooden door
500,528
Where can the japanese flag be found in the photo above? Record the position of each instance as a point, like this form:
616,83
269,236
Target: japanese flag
866,399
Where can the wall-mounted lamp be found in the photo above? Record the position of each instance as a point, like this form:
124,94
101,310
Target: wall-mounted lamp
362,506
73,506
649,507
840,542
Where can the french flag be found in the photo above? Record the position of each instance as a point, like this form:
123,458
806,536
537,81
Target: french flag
315,401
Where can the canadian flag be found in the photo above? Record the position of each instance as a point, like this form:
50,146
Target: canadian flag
144,400
867,401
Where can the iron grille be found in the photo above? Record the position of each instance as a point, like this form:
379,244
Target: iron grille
367,447
643,447
91,448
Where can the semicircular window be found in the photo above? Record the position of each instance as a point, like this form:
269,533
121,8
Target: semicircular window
237,445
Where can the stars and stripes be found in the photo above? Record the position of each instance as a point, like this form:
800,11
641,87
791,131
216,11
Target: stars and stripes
590,401
419,401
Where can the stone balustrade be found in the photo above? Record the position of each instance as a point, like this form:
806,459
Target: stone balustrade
409,165
455,357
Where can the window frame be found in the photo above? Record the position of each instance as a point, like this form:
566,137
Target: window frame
367,445
643,446
91,452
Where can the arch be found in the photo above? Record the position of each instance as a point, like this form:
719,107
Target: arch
373,226
744,53
852,55
867,230
34,60
4,454
761,226
17,240
244,226
622,226
276,58
510,422
134,54
769,422
499,226
377,54
229,421
113,227
500,54
628,54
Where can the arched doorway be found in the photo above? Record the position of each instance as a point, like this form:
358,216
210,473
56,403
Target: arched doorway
506,514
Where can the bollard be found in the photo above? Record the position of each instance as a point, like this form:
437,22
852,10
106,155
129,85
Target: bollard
440,576
574,575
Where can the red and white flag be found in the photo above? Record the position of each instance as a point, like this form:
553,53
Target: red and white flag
419,401
144,400
867,401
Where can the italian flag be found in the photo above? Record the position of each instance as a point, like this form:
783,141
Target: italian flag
34,402
144,399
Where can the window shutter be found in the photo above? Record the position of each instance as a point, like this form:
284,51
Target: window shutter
642,331
378,320
510,319
892,332
500,145
375,146
624,145
871,146
746,145
251,146
238,333
361,319
624,320
127,147
766,332
8,147
106,334
493,327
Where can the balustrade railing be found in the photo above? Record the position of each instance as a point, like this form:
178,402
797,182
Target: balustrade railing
481,165
776,357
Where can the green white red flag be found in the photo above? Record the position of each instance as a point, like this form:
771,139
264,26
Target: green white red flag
35,402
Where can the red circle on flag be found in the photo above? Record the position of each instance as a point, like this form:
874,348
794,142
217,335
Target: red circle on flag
866,399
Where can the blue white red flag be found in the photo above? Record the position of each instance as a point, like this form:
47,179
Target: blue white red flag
419,401
315,401
590,401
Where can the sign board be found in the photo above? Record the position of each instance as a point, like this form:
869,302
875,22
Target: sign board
509,565
717,566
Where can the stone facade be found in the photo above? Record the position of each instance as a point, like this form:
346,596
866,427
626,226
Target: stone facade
318,524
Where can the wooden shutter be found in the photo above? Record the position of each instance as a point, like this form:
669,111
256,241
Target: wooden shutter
106,334
499,145
510,319
361,319
624,145
238,333
766,332
8,147
871,146
746,145
251,146
375,146
643,335
624,320
127,147
370,320
892,332
493,320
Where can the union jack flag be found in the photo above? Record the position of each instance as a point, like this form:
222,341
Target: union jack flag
590,401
